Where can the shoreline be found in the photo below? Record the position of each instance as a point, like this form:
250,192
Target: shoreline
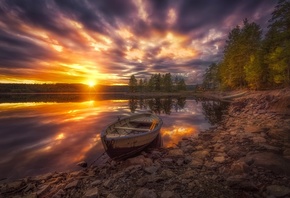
246,155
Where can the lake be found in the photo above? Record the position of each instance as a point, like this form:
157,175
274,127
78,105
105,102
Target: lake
41,134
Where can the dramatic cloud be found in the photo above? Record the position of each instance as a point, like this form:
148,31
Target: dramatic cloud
106,41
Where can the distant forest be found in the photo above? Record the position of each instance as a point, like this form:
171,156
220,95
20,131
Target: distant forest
157,83
58,88
254,61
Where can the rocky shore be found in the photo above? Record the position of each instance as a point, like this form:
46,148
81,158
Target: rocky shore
246,155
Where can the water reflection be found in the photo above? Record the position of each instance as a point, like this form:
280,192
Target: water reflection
213,110
157,105
46,136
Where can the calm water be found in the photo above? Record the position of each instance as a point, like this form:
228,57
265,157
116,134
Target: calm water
40,137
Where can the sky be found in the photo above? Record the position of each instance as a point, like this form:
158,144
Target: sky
107,41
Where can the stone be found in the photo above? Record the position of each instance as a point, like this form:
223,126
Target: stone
271,161
15,184
252,129
200,154
151,169
169,194
43,189
96,182
238,168
240,182
286,152
43,177
59,193
73,184
82,164
31,195
175,152
219,159
235,152
108,183
145,193
188,174
259,140
139,160
196,163
167,161
92,193
277,191
167,173
112,196
142,181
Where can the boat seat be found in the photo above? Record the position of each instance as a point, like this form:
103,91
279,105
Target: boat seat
140,121
131,128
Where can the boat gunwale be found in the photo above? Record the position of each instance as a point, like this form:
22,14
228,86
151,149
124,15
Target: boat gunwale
128,136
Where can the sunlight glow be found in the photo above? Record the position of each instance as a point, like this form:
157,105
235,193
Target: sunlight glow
59,136
91,83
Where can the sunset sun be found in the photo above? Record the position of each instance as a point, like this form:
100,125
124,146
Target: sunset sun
91,83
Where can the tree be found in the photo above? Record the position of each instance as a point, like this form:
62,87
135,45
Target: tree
133,84
241,58
181,86
211,77
167,83
277,44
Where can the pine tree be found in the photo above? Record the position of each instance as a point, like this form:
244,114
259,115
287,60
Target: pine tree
277,44
133,84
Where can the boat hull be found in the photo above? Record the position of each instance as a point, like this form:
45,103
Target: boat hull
122,147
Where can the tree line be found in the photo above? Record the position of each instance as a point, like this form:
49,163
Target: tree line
157,83
251,60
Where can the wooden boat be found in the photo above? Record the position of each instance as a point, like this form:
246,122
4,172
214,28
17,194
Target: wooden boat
130,135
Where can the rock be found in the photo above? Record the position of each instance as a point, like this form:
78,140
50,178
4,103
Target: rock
73,184
175,153
59,193
167,161
82,164
96,182
151,169
196,163
43,189
31,195
142,181
238,168
200,154
92,193
108,183
15,184
236,152
112,196
139,160
167,173
271,161
240,182
259,140
43,177
219,159
169,194
252,129
277,191
145,193
188,174
286,152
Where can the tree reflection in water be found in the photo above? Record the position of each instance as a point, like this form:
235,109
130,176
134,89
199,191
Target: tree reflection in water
157,105
214,110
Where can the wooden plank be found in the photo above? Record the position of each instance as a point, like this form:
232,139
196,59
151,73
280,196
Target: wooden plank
140,121
130,128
